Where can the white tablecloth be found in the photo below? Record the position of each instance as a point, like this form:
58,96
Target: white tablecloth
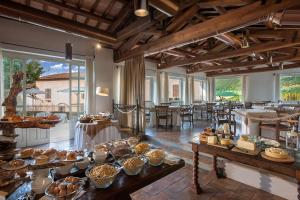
252,126
176,121
83,141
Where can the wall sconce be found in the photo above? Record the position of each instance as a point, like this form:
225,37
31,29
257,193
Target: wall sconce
102,91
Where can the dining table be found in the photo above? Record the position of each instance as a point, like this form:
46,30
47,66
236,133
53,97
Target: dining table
175,112
89,134
248,118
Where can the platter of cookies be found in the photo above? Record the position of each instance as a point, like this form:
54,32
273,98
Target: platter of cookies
14,165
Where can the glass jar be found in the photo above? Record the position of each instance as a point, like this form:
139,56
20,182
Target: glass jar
292,140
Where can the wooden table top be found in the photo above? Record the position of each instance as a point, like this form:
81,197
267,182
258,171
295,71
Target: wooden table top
122,186
125,184
288,169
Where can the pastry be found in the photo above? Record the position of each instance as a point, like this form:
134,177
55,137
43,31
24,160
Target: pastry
51,153
203,137
102,172
61,155
42,159
225,141
212,140
276,153
16,163
245,144
244,137
71,156
37,152
26,153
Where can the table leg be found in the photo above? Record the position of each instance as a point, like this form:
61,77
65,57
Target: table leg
123,197
196,173
298,180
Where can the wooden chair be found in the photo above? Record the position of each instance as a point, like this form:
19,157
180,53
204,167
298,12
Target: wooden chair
248,105
276,127
222,117
187,114
209,110
163,113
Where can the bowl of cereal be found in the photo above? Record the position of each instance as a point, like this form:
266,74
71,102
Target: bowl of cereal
155,157
141,148
133,166
102,176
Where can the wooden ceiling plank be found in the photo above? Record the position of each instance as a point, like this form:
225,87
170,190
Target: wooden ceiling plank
235,19
19,11
167,7
249,63
268,46
120,18
74,10
132,41
263,69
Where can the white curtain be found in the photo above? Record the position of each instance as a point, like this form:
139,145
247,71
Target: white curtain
189,90
276,87
244,88
90,89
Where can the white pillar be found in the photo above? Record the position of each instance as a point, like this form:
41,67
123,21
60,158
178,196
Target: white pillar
90,91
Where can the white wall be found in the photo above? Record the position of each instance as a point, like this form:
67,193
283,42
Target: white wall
53,42
104,69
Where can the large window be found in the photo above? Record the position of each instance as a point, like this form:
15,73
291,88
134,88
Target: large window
175,89
199,90
228,88
290,87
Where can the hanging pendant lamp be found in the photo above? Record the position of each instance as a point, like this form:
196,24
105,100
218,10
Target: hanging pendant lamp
68,51
141,8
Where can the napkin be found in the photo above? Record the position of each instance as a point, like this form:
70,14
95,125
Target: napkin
170,159
49,198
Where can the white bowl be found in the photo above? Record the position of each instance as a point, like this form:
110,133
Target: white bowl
83,164
64,169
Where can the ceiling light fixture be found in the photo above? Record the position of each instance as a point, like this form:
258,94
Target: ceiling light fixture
141,8
68,51
98,46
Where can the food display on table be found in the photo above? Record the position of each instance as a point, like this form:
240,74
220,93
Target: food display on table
133,166
102,176
41,160
6,177
205,134
141,148
101,147
37,152
245,143
155,157
71,156
132,141
66,188
225,141
51,153
14,164
26,153
276,153
61,155
212,139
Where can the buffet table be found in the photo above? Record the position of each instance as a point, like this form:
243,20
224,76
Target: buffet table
88,134
250,126
287,169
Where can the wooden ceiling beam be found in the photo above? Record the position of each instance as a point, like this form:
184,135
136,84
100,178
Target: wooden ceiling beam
235,19
223,3
125,11
75,11
267,46
19,11
181,19
256,70
132,41
248,64
167,7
